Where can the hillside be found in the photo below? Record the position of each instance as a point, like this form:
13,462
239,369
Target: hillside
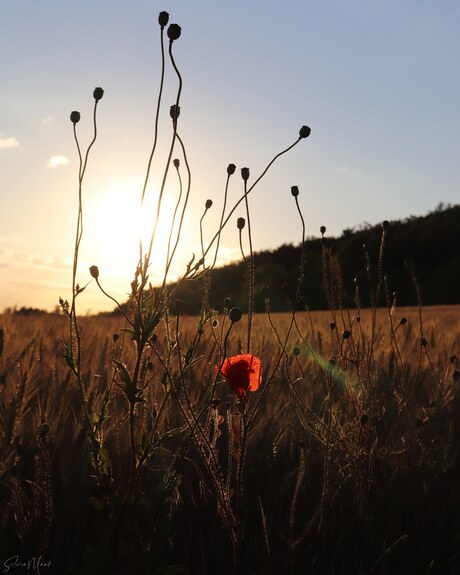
431,243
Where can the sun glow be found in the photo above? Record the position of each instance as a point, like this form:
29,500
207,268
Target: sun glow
117,228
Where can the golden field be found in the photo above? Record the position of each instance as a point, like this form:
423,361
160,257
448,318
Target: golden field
345,456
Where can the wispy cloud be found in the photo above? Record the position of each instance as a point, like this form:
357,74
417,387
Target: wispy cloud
343,169
47,120
8,143
17,258
56,161
349,171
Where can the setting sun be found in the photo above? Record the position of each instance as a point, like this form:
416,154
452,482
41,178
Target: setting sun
116,225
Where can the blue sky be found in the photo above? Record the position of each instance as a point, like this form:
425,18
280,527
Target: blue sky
377,82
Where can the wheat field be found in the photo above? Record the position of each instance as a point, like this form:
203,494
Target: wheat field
349,458
150,442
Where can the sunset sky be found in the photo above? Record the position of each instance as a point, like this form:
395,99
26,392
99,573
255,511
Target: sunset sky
377,82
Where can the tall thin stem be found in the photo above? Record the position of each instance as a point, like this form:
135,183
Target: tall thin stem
157,115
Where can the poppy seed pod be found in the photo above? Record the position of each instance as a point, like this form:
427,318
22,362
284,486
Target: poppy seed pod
98,93
176,163
295,191
163,19
304,132
94,271
174,112
43,429
174,32
235,314
75,117
178,304
245,174
227,302
346,334
265,291
208,204
240,223
322,229
385,225
231,169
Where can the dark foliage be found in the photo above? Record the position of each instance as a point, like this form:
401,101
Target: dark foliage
431,242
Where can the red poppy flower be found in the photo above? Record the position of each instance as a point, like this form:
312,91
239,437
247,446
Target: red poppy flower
242,372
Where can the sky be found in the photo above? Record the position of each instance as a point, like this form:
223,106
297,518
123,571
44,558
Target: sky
377,82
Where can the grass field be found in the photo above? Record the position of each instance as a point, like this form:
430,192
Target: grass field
344,460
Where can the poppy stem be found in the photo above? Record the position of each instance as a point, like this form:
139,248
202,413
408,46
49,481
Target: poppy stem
250,268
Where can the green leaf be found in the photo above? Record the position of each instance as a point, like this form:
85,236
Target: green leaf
124,373
129,331
67,355
126,381
106,465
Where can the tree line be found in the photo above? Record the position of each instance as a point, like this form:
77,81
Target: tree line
420,262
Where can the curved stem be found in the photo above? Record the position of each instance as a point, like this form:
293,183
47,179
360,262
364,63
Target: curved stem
155,138
232,211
